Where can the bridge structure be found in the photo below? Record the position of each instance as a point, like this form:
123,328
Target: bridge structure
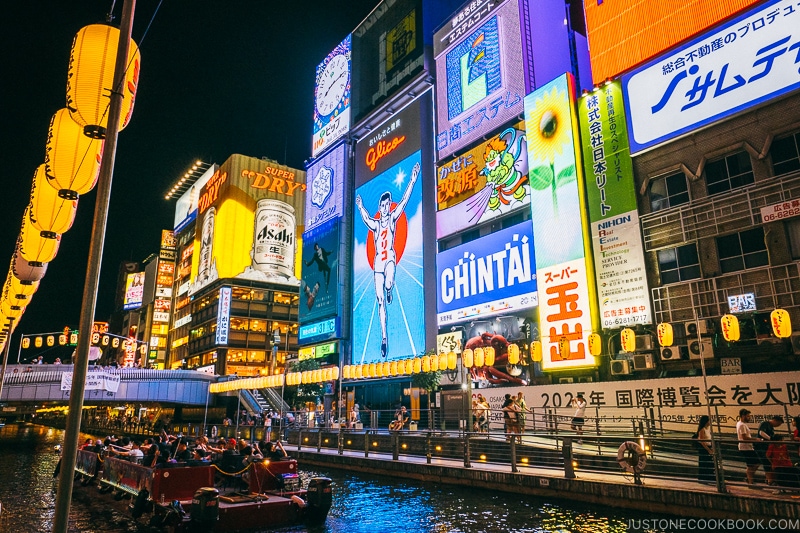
25,386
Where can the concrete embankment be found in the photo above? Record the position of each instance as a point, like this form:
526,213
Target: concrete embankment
657,495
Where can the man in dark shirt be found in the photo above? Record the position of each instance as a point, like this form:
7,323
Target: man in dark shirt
766,431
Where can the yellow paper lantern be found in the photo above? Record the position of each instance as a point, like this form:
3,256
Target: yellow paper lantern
426,363
442,361
417,365
290,379
37,342
595,344
335,373
48,211
730,328
393,367
73,338
665,334
452,360
20,287
95,338
10,310
36,246
467,358
72,160
346,371
563,348
91,76
781,323
488,356
26,343
51,340
359,371
478,357
627,338
513,354
373,371
62,340
387,369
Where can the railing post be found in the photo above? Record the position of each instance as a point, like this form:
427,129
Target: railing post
396,446
366,443
566,453
340,440
467,451
513,454
319,439
428,447
299,438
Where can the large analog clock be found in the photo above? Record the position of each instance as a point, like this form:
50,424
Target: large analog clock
332,85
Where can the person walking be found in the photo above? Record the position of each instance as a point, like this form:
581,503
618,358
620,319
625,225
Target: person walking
705,454
766,432
578,418
746,449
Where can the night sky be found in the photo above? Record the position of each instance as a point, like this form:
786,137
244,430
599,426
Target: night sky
217,78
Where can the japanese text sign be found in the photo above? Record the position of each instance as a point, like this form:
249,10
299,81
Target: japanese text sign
750,59
223,315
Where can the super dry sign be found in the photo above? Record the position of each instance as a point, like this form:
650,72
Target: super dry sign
273,179
210,191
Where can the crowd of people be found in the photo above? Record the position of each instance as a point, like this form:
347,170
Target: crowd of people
768,450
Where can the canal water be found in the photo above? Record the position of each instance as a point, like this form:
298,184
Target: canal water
362,503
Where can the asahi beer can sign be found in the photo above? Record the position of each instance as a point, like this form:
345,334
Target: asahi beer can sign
274,239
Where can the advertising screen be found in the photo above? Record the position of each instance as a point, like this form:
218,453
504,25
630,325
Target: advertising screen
493,275
479,74
484,183
332,97
325,197
318,331
319,285
564,270
134,291
650,28
186,205
742,63
388,301
616,236
387,52
248,218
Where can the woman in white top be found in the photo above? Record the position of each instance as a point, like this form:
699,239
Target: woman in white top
705,455
578,420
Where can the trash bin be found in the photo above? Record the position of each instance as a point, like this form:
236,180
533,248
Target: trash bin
205,505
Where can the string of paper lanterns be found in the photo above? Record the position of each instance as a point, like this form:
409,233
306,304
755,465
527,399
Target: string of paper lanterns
72,163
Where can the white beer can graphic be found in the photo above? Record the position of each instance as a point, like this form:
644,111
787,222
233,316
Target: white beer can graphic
207,244
274,238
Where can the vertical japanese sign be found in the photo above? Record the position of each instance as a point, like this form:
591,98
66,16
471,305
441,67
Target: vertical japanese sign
564,271
751,59
223,316
614,218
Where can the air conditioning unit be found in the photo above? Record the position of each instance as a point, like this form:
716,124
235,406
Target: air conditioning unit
673,353
620,367
701,348
696,327
643,361
796,343
644,343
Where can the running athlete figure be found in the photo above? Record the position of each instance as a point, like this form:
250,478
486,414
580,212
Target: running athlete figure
383,231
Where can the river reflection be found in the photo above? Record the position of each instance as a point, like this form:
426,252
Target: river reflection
362,503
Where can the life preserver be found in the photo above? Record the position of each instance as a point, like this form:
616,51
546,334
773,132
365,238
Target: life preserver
213,432
631,457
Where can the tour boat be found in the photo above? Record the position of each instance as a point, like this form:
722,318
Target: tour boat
184,498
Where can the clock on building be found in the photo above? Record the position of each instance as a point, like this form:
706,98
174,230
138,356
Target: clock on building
332,84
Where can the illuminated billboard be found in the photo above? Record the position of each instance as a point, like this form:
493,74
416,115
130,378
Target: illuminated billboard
649,28
325,177
564,270
247,224
616,235
744,62
480,74
492,275
387,52
134,291
186,205
484,183
388,298
319,285
332,97
223,316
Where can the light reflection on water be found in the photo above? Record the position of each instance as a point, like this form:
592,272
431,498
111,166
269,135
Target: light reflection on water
362,503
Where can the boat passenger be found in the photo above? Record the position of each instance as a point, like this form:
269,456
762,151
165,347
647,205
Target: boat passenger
182,453
134,455
276,451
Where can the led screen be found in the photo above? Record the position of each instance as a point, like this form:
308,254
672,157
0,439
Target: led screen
325,197
388,301
387,52
492,275
186,205
483,183
332,97
134,291
319,285
649,29
565,277
480,75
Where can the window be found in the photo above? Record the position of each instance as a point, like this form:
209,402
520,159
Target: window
793,232
668,192
729,173
742,250
678,264
785,154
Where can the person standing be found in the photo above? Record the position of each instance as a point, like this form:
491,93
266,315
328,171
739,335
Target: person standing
746,449
523,408
578,418
484,413
705,454
766,432
510,417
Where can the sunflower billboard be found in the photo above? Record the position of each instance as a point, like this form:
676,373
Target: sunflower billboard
483,183
564,269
